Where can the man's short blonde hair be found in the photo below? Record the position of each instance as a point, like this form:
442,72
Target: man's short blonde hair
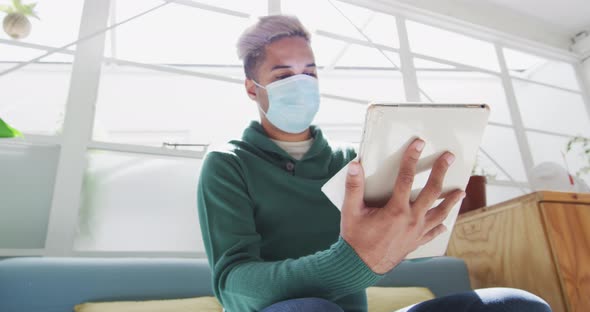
253,41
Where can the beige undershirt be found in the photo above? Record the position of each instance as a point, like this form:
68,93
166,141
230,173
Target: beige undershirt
295,149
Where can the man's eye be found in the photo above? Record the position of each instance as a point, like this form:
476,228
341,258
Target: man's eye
283,76
311,74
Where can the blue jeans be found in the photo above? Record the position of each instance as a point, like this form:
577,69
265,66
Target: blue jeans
481,300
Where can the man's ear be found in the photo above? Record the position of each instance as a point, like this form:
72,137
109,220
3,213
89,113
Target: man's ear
250,89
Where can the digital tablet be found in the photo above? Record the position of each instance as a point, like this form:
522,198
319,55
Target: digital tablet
389,129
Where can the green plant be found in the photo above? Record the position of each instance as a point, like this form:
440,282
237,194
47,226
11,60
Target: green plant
16,23
20,8
6,131
583,144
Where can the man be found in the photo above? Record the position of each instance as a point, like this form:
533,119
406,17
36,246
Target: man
273,240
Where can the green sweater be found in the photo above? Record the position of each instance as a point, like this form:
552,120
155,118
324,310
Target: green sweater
269,231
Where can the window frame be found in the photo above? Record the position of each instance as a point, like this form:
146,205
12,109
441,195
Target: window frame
76,138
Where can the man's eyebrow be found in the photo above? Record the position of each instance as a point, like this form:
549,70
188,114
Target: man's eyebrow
280,67
287,66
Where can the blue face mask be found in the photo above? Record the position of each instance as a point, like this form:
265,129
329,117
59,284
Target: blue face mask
292,102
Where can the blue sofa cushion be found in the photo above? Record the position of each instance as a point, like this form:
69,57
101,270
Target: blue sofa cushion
57,284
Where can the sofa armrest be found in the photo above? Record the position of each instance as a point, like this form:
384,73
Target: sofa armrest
442,275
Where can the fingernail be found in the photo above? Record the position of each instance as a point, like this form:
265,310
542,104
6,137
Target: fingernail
449,158
463,194
420,145
353,169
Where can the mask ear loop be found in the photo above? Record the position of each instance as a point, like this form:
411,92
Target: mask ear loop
258,104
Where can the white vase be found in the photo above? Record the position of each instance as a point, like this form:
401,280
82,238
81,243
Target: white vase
16,25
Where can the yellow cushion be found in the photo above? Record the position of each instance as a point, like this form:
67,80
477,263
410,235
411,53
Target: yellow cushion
201,304
388,299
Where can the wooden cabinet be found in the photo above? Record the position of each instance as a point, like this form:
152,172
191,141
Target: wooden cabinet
538,242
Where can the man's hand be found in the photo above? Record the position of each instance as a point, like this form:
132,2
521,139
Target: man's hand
383,236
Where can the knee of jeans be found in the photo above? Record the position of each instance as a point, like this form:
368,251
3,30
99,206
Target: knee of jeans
323,305
311,304
517,300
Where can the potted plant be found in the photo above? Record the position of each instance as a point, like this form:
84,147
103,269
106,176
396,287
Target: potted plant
15,23
476,188
583,145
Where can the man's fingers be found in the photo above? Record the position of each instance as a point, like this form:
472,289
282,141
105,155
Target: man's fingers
432,234
433,189
407,171
437,215
355,187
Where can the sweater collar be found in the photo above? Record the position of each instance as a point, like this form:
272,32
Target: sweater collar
256,136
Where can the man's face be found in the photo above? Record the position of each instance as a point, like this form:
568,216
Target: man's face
284,58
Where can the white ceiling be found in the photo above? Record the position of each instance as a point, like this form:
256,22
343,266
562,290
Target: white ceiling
570,15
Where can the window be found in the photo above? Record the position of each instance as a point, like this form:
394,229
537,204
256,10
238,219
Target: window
135,202
550,109
460,86
431,41
34,96
172,76
539,69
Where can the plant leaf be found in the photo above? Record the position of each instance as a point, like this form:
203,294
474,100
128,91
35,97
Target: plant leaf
6,131
29,10
7,9
18,5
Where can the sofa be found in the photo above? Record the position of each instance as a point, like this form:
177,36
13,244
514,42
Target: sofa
47,284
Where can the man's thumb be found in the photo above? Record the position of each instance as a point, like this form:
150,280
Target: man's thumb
353,196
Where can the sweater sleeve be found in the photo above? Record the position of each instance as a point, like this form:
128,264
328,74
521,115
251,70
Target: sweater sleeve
242,281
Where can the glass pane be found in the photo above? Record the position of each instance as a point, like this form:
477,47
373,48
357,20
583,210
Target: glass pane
133,202
466,87
26,190
254,8
366,57
148,107
451,46
364,85
551,109
321,15
343,134
341,121
58,25
34,97
549,148
501,145
421,64
536,68
382,30
335,112
13,54
496,194
190,35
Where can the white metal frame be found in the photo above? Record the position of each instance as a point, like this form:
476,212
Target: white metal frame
77,130
521,138
76,139
407,63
